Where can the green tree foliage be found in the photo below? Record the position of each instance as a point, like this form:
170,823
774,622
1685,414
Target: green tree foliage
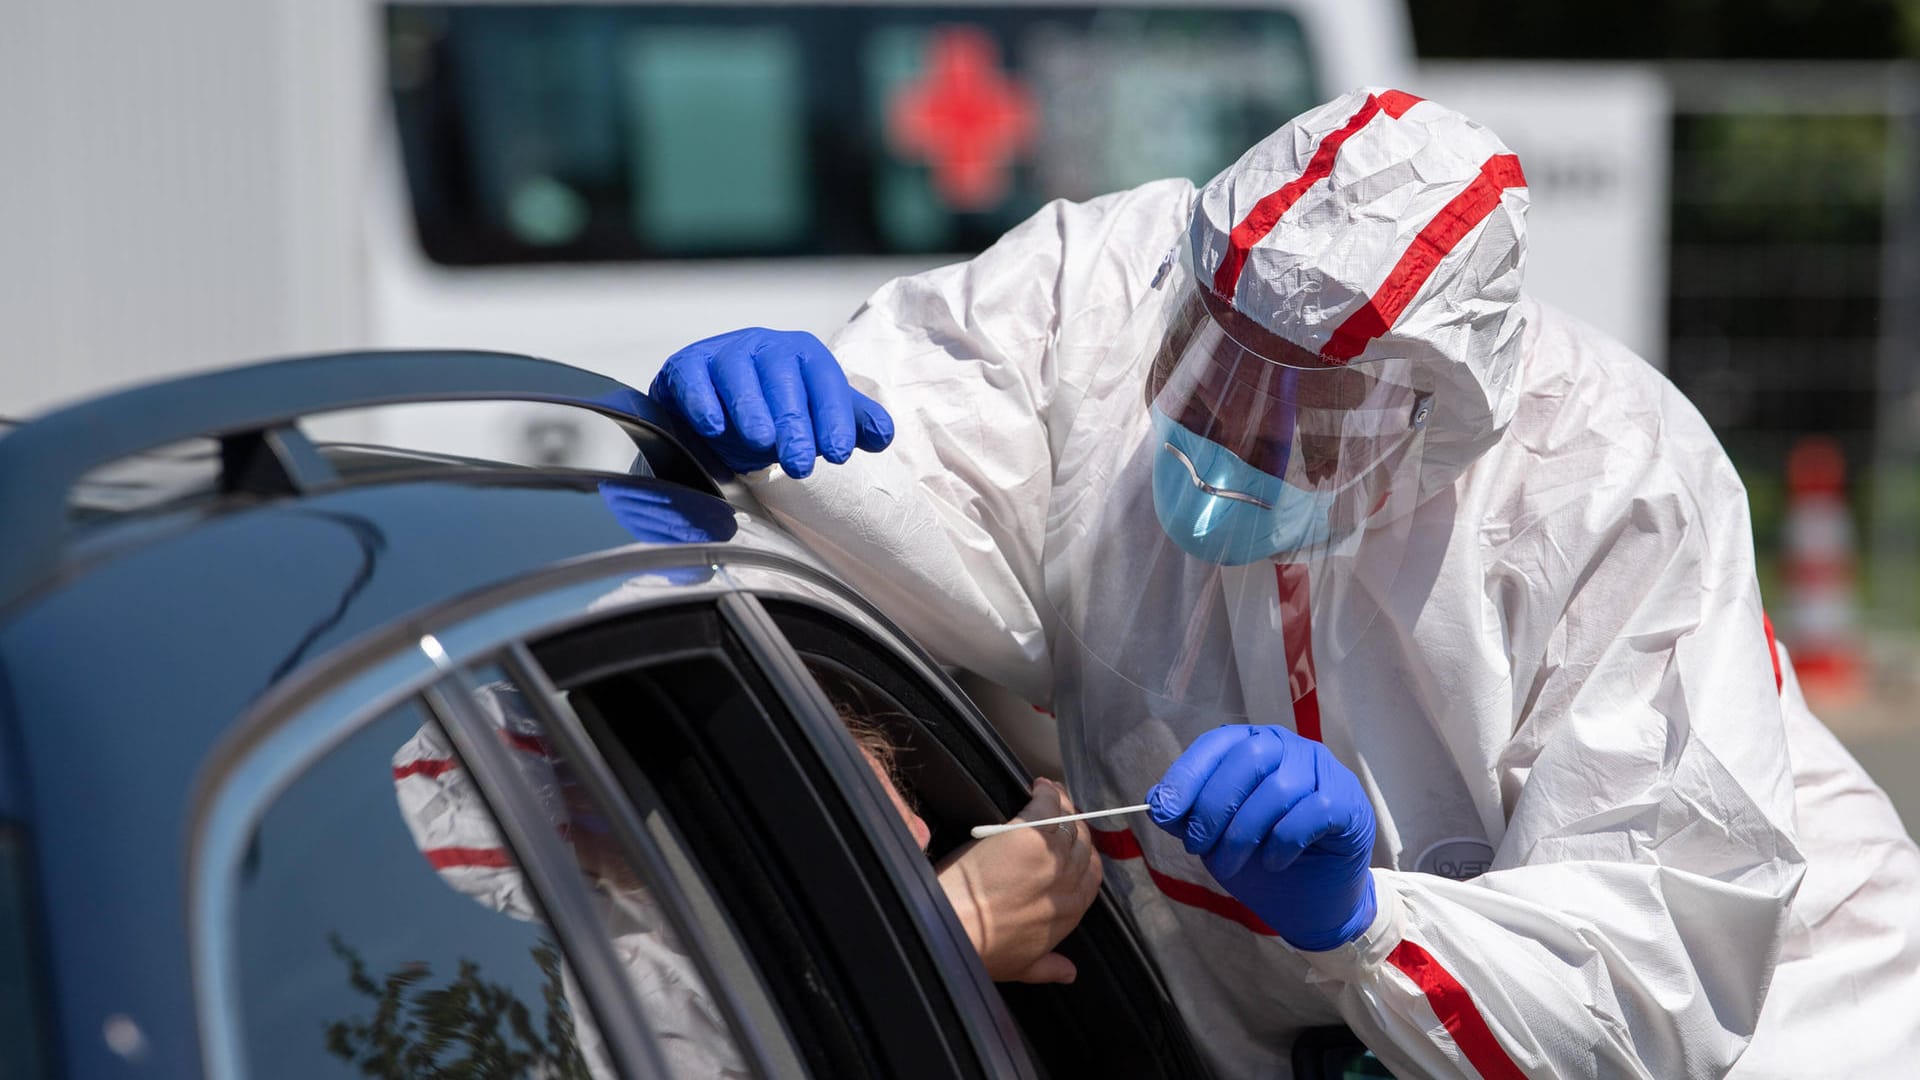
1778,177
1673,30
468,1029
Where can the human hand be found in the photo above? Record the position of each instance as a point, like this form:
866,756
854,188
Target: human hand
760,396
1281,824
1019,893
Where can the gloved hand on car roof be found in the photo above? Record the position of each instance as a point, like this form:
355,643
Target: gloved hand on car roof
1281,824
764,396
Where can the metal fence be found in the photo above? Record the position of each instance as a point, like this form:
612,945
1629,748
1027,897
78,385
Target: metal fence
1794,277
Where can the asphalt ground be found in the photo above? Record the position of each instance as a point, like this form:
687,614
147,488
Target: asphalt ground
1881,726
1893,759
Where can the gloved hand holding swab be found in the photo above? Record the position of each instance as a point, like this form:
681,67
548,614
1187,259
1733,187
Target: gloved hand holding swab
981,831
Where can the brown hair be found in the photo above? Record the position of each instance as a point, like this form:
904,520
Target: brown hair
862,720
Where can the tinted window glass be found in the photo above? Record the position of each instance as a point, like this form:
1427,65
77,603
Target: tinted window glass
686,1019
384,930
607,131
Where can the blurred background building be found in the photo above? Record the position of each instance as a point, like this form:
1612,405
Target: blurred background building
1732,188
1791,271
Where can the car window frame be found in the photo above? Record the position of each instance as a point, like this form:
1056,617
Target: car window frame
640,656
549,869
929,954
247,784
913,875
615,797
302,718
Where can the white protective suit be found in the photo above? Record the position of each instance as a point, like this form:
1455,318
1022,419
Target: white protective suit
1612,839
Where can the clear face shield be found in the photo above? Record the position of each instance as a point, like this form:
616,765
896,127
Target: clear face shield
1243,480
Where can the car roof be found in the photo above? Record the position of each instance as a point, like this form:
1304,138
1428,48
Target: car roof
189,534
252,412
133,635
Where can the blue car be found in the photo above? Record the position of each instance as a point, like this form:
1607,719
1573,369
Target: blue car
329,760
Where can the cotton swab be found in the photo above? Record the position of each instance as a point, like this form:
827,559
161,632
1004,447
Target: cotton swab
980,831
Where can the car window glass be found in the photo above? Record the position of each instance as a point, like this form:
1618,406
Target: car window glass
686,1019
389,439
383,929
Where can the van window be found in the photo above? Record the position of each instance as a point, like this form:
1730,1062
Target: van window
621,132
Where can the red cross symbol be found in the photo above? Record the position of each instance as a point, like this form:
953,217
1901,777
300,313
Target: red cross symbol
963,118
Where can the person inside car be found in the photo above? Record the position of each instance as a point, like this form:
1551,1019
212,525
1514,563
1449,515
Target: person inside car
1017,894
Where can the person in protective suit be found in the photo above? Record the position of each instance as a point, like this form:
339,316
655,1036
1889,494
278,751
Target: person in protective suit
1440,603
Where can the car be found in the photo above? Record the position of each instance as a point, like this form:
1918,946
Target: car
264,699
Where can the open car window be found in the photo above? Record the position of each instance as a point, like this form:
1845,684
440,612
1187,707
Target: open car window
1116,1018
664,802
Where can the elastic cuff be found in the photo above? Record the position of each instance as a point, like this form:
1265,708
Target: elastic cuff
1358,958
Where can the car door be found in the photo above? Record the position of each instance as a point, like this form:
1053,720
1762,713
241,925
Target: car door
576,830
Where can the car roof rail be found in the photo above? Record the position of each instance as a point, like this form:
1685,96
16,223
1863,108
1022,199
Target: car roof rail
252,410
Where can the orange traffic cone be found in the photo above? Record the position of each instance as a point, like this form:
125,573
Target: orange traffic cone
1823,628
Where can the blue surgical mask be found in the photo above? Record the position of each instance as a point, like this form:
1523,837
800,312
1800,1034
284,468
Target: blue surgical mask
1223,510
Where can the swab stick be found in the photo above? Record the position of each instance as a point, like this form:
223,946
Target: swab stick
980,831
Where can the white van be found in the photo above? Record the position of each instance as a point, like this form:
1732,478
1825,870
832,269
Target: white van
605,183
206,181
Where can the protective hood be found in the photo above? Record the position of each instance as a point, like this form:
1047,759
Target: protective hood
1382,226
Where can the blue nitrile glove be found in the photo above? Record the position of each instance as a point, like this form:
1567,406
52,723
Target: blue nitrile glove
761,396
1281,824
